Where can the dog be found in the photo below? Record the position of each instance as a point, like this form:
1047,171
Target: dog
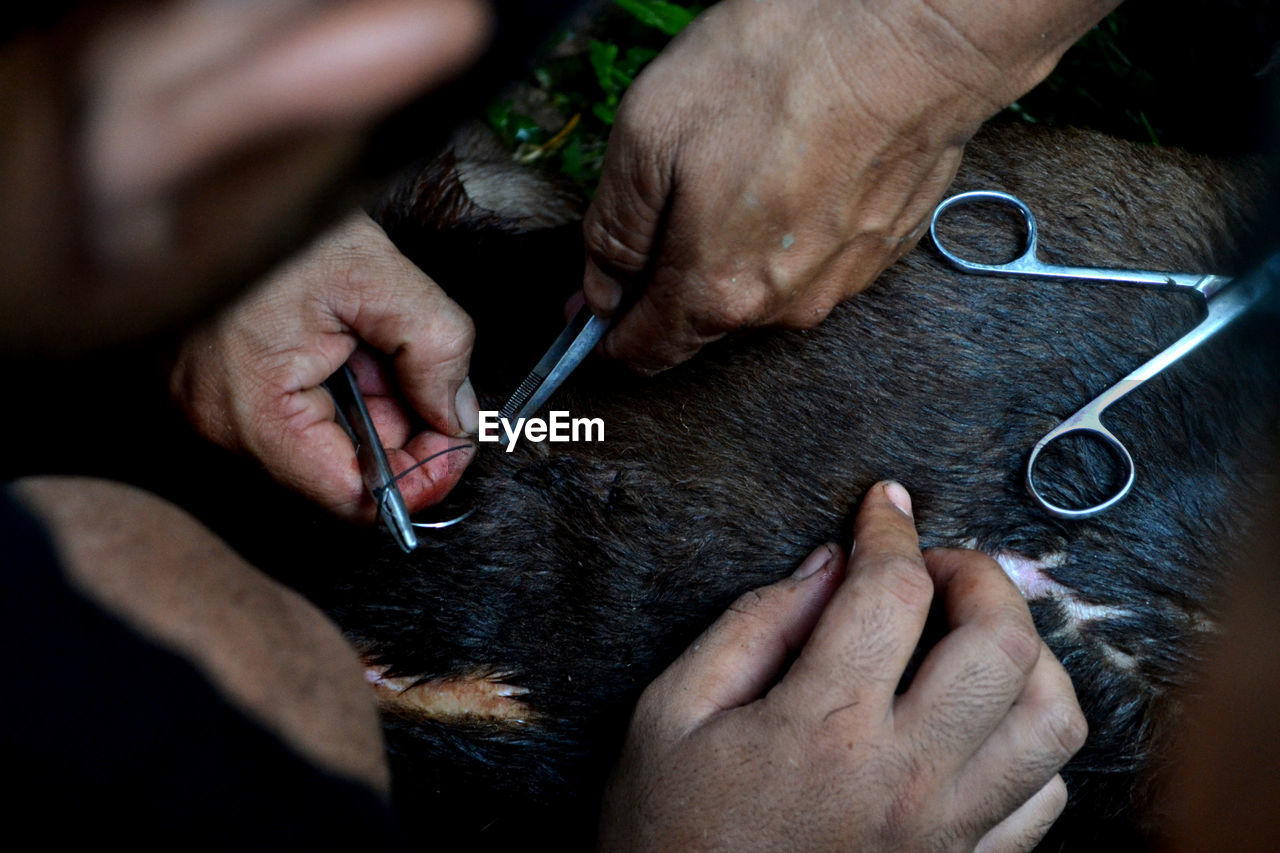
509,649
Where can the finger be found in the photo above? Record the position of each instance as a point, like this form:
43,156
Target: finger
1042,730
372,377
390,420
969,680
394,307
655,334
319,460
862,644
164,114
1027,826
620,228
311,453
733,662
437,463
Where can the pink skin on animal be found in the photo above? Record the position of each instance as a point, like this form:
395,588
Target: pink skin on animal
1033,581
480,695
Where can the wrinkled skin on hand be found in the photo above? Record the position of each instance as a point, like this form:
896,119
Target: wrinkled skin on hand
778,156
829,758
250,379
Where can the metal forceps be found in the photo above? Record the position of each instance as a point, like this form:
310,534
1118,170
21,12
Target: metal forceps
573,345
1222,304
568,351
375,471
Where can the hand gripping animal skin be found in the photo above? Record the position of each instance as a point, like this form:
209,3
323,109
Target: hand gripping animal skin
509,649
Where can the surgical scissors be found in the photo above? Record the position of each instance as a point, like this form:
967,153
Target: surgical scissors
1222,299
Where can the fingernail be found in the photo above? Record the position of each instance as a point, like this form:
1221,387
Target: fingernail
823,556
603,294
898,496
468,408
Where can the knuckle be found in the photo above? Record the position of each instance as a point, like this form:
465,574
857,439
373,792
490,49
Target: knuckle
749,604
905,578
908,790
1064,727
737,312
612,244
807,316
730,303
646,131
786,271
651,698
463,328
1014,634
360,249
972,560
647,720
453,334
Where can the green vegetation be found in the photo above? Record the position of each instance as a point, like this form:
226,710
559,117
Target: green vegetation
584,78
1098,85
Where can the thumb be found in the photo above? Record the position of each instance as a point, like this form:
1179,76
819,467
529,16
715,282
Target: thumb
620,229
740,655
394,307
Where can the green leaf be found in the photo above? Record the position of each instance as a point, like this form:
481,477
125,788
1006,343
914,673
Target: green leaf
603,60
500,112
526,130
604,112
511,126
581,163
668,17
1151,131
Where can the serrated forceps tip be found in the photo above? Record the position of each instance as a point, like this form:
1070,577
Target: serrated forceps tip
573,345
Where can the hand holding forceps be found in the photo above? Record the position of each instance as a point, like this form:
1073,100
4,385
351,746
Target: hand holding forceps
568,351
1222,304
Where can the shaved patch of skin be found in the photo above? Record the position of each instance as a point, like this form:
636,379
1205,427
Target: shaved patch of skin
478,696
1033,581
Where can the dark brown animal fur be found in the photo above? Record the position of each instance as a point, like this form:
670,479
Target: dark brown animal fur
588,567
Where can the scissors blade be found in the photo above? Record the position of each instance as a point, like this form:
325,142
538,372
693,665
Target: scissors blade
577,340
375,471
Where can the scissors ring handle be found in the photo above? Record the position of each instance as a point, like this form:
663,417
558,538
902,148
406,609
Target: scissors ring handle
1068,428
1022,263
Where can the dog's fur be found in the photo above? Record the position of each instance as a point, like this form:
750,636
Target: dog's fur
587,567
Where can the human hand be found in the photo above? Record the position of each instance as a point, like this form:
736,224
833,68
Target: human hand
266,649
829,757
191,141
250,379
777,157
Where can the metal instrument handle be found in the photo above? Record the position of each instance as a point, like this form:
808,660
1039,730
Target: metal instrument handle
375,471
1028,264
1086,421
1225,308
